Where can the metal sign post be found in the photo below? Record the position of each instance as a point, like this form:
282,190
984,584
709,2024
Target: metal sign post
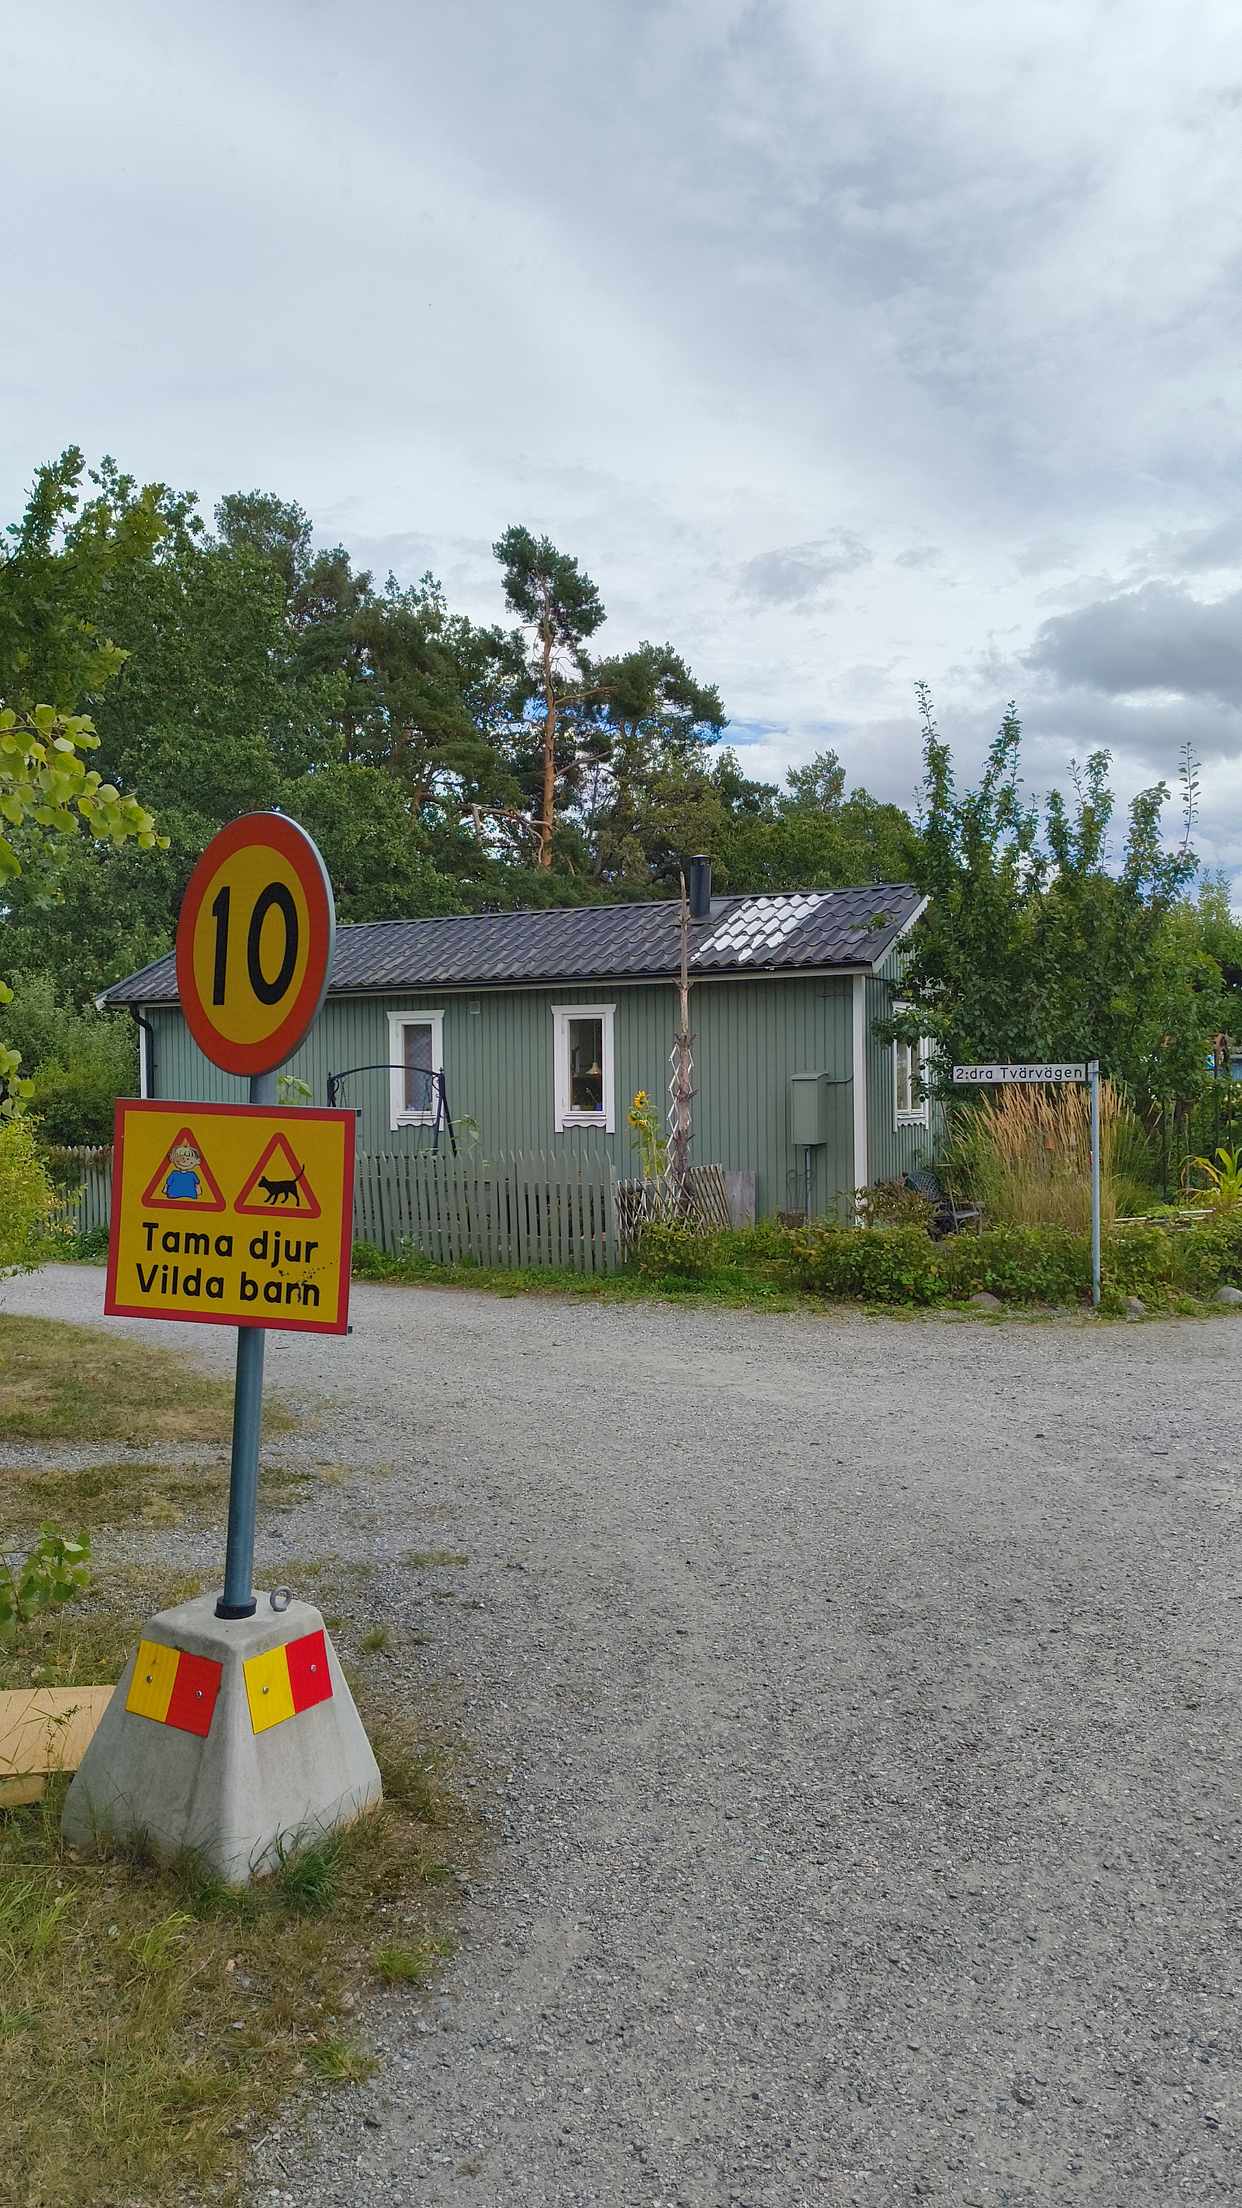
1064,1072
233,1730
237,1600
1093,1076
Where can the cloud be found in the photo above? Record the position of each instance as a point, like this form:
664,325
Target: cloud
1046,552
337,261
1216,546
1158,638
793,574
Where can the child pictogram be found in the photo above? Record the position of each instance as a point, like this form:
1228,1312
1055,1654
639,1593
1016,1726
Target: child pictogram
279,1183
183,1180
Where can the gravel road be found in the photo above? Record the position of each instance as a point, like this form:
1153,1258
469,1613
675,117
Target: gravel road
861,1701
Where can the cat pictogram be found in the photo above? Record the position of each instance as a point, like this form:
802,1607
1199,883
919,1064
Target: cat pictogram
278,1183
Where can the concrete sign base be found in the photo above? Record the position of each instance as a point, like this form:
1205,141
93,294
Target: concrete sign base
235,1738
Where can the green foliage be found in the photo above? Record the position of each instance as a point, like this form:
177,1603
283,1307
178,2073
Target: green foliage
79,1060
47,791
90,1248
406,1263
56,565
1208,1256
667,1248
27,1199
895,1266
1048,1264
1219,1180
1037,944
892,1204
56,1570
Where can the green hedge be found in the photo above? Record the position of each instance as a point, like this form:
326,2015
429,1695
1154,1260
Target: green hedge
902,1265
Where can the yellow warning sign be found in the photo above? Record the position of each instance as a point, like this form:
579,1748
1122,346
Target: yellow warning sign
232,1214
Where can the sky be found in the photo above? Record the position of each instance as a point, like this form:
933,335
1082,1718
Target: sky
844,347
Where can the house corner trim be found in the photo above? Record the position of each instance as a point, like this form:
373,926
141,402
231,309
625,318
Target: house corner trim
861,1172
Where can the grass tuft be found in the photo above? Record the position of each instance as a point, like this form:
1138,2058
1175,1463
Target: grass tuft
340,2061
399,1965
308,1874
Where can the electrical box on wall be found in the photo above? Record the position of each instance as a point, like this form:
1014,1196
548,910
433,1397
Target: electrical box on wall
808,1109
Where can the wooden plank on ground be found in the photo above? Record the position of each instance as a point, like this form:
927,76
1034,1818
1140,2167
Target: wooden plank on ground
44,1729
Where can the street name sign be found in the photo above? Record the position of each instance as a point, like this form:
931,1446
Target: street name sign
232,1215
254,943
984,1077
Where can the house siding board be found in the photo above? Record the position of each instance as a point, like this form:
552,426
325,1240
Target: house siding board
749,1037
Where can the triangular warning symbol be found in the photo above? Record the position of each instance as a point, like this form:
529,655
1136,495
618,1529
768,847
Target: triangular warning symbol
183,1180
278,1186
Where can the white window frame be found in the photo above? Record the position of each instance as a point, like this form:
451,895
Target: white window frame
919,1114
398,1116
564,1117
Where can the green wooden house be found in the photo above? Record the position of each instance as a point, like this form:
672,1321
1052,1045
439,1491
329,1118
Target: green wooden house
543,1026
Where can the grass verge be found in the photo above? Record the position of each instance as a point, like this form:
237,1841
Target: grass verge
84,1383
152,2019
131,1494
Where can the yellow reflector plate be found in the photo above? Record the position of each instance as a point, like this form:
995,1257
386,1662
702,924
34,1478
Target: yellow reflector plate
267,1689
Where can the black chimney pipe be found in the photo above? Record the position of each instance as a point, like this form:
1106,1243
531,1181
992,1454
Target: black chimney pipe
700,887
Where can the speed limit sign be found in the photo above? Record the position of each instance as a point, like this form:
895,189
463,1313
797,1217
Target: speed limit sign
254,943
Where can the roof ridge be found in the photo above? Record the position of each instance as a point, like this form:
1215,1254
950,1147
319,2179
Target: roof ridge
524,912
621,904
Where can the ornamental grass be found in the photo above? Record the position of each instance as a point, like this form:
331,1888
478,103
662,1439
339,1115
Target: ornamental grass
1025,1155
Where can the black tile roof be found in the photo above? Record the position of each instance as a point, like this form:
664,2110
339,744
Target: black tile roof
579,943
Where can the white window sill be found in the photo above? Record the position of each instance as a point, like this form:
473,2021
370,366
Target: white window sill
913,1119
582,1119
414,1119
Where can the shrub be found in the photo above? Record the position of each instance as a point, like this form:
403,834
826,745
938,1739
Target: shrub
897,1266
1141,1261
892,1204
669,1250
1208,1257
764,1248
54,1571
79,1061
1019,1264
27,1199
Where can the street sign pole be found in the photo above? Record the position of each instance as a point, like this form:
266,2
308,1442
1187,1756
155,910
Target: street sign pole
1093,1076
238,1599
233,1730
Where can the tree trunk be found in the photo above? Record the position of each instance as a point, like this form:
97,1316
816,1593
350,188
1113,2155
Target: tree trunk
544,856
681,1089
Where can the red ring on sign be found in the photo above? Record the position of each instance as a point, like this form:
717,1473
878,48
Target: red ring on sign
277,833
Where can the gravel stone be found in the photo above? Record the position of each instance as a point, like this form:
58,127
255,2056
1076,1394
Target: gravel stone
985,1301
1229,1295
847,1653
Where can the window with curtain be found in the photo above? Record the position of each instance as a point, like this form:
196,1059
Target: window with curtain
583,1075
415,1052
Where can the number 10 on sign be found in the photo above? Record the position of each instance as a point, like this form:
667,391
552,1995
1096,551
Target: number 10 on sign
254,943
